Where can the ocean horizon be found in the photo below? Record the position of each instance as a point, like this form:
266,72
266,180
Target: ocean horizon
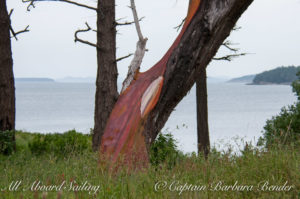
237,112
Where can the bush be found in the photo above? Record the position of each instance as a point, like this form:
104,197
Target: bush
69,142
7,142
164,151
284,129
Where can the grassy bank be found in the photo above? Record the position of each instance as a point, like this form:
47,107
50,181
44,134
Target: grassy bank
254,174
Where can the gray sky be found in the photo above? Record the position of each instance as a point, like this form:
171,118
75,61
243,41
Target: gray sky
270,30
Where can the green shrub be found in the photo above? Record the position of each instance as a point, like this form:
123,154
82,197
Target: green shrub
284,129
164,151
69,142
7,142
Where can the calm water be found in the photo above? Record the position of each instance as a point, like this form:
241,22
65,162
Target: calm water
234,110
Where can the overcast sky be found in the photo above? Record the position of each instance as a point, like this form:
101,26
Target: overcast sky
270,32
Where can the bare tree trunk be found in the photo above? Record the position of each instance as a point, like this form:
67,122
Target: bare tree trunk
7,87
144,107
202,114
106,83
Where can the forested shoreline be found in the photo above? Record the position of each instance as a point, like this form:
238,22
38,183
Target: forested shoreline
280,75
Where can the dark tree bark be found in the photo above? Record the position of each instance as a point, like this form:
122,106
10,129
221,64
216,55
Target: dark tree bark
7,87
208,31
106,83
210,27
202,114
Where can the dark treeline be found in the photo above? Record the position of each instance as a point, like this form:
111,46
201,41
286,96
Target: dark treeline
280,75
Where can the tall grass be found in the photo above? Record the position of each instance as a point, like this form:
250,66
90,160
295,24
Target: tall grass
191,177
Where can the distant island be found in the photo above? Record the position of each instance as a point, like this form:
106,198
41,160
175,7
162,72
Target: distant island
77,80
243,79
280,75
33,79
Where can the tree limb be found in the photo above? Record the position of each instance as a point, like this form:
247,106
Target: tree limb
136,20
127,22
84,41
228,57
228,45
10,13
180,25
12,30
66,1
139,52
121,58
31,4
19,32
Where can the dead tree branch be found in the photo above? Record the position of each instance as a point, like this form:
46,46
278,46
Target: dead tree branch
136,20
139,52
10,13
236,28
31,4
14,34
127,22
180,25
229,57
121,58
77,39
19,32
228,44
66,1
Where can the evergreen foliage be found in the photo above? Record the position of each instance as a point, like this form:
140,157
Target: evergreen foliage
164,151
280,75
284,129
7,142
59,144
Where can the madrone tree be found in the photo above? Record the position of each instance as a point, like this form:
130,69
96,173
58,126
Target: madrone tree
147,99
145,105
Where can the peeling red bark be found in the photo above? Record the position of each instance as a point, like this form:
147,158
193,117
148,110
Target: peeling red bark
143,108
123,133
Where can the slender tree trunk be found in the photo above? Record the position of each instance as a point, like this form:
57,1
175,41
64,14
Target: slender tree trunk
202,114
7,87
106,83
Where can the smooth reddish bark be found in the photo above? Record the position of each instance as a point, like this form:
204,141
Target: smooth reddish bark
144,107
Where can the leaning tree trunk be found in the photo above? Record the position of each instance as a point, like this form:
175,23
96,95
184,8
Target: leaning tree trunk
106,83
202,114
144,107
7,87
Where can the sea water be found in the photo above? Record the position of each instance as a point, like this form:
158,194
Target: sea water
236,111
